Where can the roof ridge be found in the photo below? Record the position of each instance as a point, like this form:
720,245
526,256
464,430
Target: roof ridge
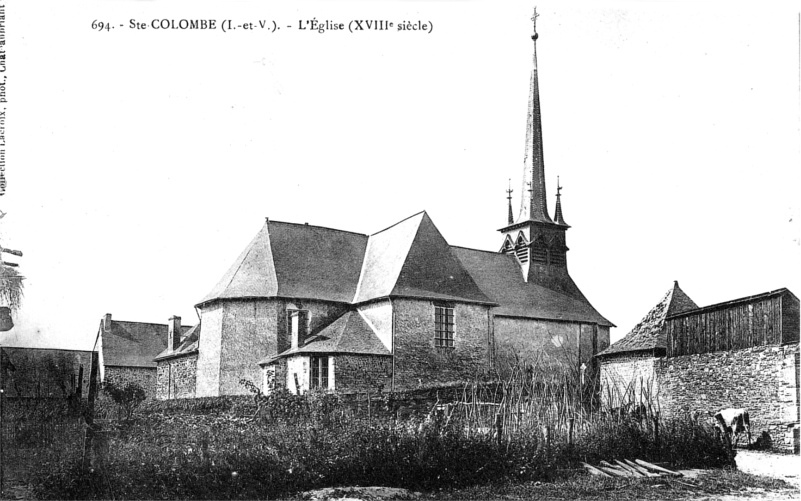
307,225
399,222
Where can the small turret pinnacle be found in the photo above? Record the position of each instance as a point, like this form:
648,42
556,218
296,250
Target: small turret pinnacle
558,218
509,190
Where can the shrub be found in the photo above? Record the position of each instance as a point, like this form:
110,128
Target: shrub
127,397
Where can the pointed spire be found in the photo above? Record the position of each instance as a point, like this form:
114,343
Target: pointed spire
509,197
536,209
558,218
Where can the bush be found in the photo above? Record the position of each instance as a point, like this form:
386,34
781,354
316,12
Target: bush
127,397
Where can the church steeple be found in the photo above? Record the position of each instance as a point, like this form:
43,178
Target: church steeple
536,241
536,207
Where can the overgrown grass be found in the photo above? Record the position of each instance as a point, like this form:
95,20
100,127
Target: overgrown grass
270,446
577,486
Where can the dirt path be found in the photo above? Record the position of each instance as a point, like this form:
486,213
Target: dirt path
782,466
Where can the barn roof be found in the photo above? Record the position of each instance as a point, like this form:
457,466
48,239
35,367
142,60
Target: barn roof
499,277
349,334
133,344
649,334
735,302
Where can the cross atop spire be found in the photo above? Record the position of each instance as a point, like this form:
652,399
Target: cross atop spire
535,208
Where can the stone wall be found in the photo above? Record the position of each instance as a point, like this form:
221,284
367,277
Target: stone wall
209,346
547,344
142,376
763,380
628,378
249,334
363,373
418,362
176,377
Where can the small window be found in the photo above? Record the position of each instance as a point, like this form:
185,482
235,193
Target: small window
319,372
443,326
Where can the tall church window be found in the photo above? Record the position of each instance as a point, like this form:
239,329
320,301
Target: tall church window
319,372
443,326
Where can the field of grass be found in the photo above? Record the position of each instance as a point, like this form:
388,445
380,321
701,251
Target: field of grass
221,449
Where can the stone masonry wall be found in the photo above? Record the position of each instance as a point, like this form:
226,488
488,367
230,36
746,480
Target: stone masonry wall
419,363
249,333
143,376
628,378
763,380
176,377
546,344
207,382
363,373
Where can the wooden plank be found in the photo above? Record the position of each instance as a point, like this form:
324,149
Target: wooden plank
642,470
595,471
629,469
615,472
656,468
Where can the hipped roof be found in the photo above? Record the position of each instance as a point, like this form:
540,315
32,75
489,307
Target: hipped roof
349,334
650,334
133,344
409,259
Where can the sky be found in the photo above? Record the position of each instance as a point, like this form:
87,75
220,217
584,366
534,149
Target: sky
140,163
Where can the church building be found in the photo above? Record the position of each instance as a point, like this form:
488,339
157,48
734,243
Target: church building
305,307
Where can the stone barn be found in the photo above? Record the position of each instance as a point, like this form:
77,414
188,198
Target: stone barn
742,353
307,307
628,366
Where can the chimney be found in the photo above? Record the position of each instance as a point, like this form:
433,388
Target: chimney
174,332
107,322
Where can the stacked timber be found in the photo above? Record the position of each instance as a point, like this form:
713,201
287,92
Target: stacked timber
633,469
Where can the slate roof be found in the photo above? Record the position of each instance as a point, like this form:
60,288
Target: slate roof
295,260
412,259
189,345
133,344
409,259
650,334
349,334
499,277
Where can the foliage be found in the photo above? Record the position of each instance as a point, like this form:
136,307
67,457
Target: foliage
273,445
11,287
127,397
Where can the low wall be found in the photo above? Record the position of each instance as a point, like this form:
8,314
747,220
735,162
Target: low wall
628,378
763,380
